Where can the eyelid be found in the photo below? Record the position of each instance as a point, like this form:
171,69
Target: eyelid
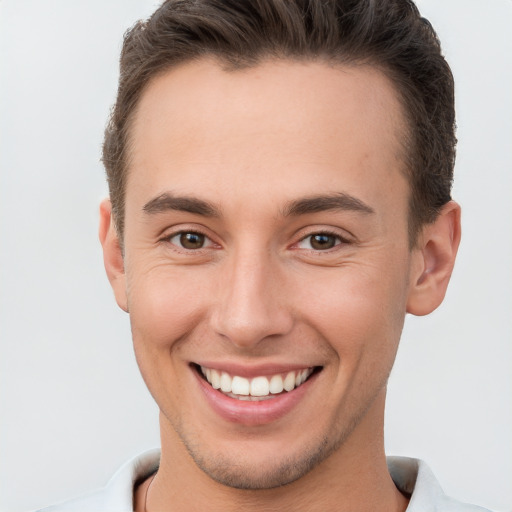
312,231
174,231
207,241
303,240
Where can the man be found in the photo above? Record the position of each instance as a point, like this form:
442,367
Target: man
279,177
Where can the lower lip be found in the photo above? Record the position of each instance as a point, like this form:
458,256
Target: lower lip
252,413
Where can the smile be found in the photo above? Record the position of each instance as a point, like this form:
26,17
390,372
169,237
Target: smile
258,388
255,397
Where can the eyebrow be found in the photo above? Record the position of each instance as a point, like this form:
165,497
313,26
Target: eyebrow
167,201
313,204
322,203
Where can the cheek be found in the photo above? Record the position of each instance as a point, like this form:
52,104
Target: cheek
165,304
359,309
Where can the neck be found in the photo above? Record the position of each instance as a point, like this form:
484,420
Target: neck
354,478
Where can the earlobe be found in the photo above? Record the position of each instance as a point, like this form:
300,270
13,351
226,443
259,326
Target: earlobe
112,254
433,261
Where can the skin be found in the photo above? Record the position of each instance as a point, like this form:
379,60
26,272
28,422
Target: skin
250,143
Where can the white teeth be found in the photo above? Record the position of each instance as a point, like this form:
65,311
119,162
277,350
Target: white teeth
276,384
240,386
225,383
215,379
258,387
289,381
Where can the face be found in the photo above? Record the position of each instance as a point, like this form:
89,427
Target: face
266,252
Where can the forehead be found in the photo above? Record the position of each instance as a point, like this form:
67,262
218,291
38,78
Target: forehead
279,122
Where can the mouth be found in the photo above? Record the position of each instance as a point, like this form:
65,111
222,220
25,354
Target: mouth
258,388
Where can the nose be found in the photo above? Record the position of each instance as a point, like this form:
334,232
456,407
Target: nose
252,302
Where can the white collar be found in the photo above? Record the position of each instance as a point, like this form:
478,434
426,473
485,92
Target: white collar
411,476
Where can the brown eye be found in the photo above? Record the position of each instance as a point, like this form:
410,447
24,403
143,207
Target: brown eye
323,241
320,242
191,240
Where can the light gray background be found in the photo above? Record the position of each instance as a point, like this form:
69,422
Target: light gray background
73,406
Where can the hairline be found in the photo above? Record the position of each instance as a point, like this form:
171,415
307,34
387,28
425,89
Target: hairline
404,123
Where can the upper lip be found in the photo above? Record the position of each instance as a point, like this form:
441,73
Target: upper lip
255,370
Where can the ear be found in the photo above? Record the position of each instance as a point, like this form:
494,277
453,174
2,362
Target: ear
433,261
112,254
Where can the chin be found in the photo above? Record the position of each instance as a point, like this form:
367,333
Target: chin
259,473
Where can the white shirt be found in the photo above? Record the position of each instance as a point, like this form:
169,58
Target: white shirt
412,476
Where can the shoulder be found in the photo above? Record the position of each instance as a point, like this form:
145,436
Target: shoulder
96,500
117,495
413,477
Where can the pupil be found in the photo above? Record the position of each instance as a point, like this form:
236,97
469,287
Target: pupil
322,241
192,240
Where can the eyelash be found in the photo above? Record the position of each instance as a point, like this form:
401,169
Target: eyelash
339,240
168,239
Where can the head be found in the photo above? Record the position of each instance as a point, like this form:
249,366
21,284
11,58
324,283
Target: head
280,185
389,35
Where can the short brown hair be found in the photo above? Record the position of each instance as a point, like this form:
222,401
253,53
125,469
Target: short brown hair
388,34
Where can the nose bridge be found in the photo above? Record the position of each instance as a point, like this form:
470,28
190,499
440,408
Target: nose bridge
252,302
